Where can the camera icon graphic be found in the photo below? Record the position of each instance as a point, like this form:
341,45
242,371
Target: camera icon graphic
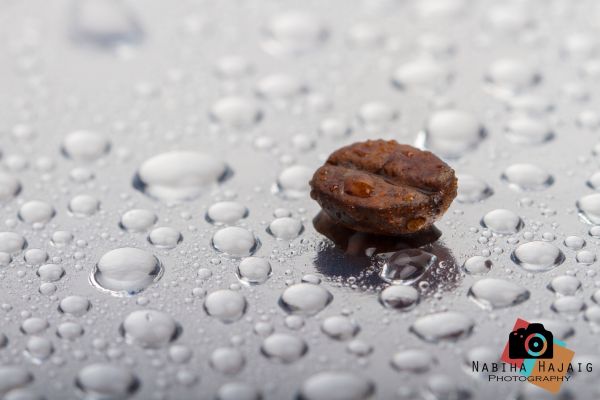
531,342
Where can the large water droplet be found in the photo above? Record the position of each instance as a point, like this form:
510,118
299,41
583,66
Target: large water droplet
342,385
106,381
305,299
502,222
85,145
293,32
149,328
406,266
283,348
402,298
537,256
451,133
472,189
527,177
589,208
226,305
126,271
235,241
492,293
443,326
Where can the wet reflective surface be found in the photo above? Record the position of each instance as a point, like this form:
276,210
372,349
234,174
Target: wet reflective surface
157,239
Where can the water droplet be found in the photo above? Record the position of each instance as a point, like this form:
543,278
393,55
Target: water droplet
565,285
226,213
11,242
254,270
106,381
238,391
305,299
568,305
226,305
502,222
492,293
150,328
165,237
235,241
574,242
451,133
74,305
292,182
235,113
293,33
85,145
443,326
227,360
138,220
84,206
527,177
528,130
345,385
422,74
13,377
285,228
406,266
339,327
413,360
477,265
36,212
179,175
589,208
585,257
512,75
10,186
472,189
283,348
537,256
126,271
50,272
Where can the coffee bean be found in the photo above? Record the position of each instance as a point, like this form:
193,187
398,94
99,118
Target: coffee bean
384,187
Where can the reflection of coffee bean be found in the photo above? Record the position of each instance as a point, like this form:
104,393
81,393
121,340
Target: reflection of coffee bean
384,187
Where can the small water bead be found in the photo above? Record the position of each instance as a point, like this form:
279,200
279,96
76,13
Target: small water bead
537,256
422,74
138,220
126,271
443,326
285,228
34,326
406,266
85,145
47,288
165,237
232,67
227,360
493,293
150,328
512,75
565,285
295,322
527,177
35,256
589,208
376,115
568,305
5,259
293,182
293,33
280,87
254,270
236,113
180,354
339,327
50,272
235,241
226,213
472,189
10,186
38,348
283,348
226,305
502,222
83,205
451,133
574,242
81,175
13,377
528,130
585,257
342,385
477,265
74,305
238,391
305,299
413,360
36,212
106,381
69,330
398,297
179,175
335,128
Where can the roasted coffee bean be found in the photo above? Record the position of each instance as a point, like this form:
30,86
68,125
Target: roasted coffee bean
384,187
